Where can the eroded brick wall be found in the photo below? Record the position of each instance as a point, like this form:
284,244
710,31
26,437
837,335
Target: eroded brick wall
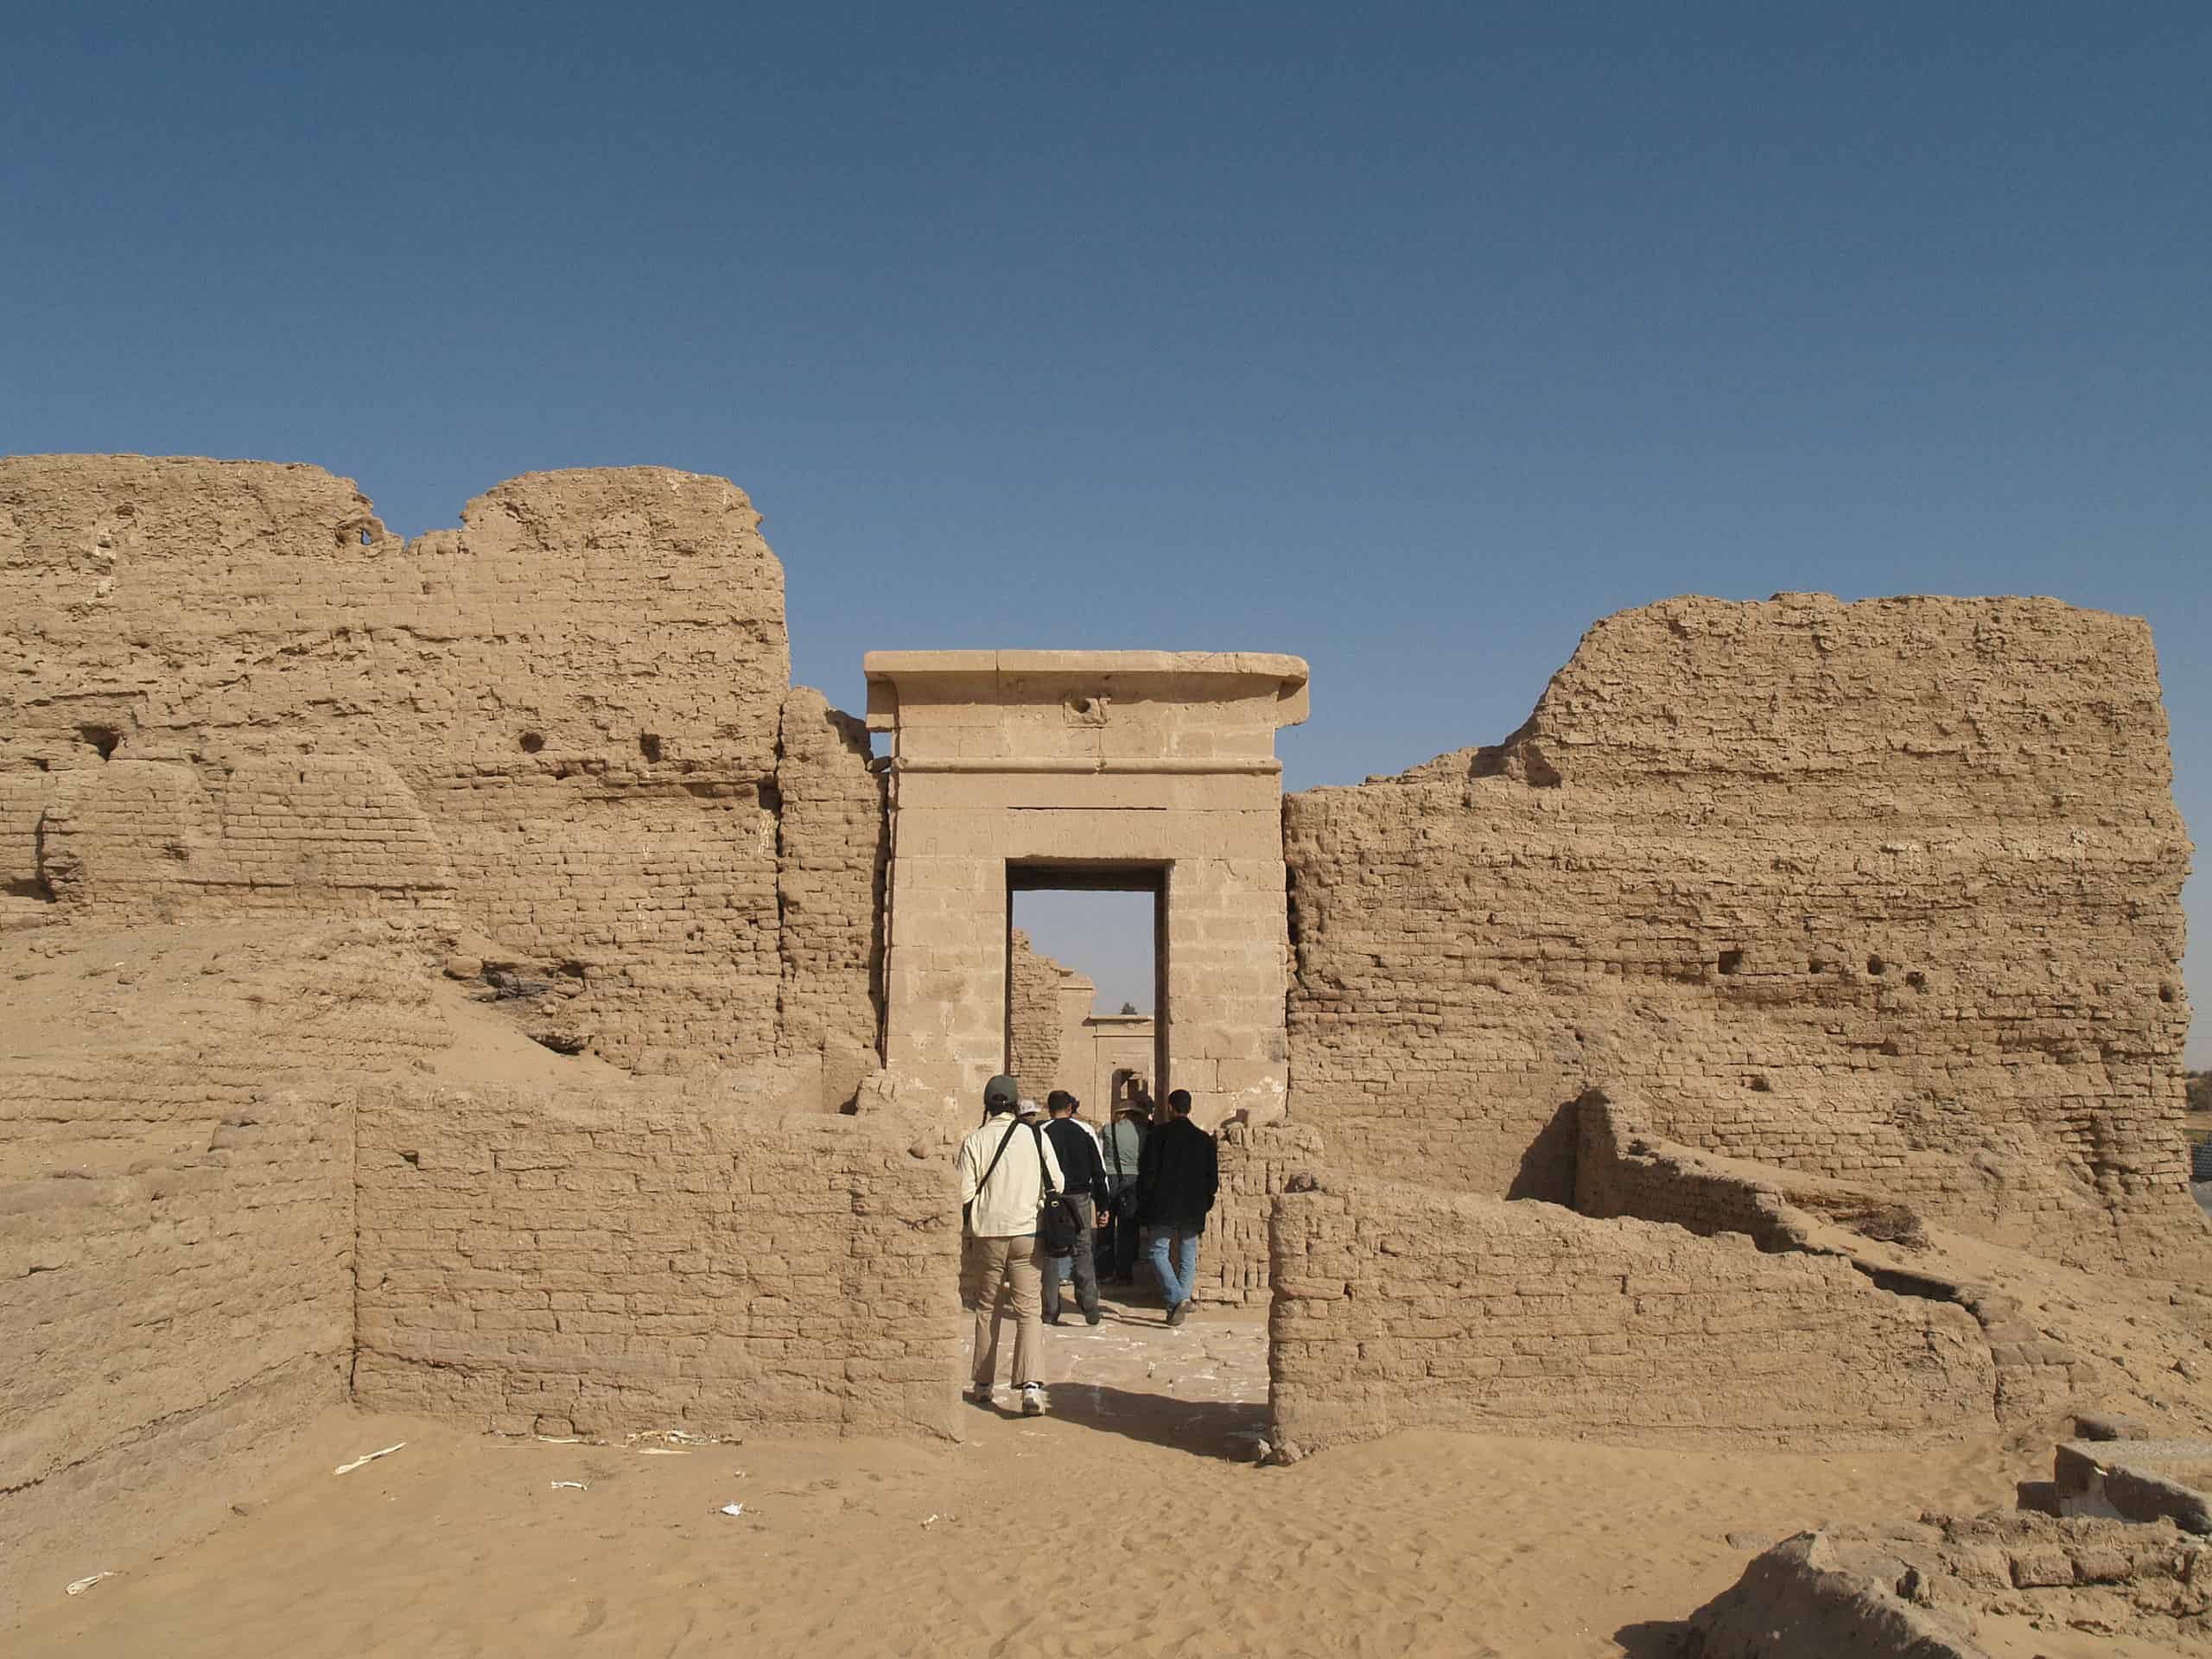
1033,1017
642,1258
832,846
225,687
176,1219
1886,890
1398,1307
1256,1162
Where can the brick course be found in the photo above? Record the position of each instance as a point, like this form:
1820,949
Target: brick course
642,1258
1398,1307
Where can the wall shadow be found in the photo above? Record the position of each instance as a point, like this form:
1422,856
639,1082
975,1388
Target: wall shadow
1547,1171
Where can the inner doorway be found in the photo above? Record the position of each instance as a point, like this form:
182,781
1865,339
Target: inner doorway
1086,981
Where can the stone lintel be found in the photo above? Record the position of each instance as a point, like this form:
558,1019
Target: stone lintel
1025,677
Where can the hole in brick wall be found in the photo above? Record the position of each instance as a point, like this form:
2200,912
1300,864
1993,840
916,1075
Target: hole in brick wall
1761,1086
1732,962
367,540
103,738
1816,966
649,746
2166,993
532,743
27,887
414,1157
1877,967
1917,980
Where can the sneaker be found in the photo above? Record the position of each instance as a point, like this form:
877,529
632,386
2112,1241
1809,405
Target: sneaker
1032,1400
975,1396
1176,1314
1093,1317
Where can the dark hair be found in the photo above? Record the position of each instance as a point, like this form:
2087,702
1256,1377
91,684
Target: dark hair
1179,1102
1061,1101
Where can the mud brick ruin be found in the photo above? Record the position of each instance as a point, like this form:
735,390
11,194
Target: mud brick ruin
1596,1082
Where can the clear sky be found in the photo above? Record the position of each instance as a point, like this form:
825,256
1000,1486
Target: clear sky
1410,339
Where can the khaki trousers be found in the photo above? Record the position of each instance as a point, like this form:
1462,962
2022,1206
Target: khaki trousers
1003,1276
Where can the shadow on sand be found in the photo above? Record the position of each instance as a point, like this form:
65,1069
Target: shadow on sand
1207,1428
1210,1428
1653,1638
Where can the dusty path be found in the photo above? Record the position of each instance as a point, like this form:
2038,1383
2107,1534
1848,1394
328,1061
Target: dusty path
1113,1526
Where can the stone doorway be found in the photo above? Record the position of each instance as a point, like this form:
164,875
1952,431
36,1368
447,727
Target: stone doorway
1014,766
1061,1031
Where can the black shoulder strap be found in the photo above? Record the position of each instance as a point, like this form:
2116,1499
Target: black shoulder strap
995,1156
1043,1172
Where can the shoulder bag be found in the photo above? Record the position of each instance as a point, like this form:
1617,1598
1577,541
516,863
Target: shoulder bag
1059,1225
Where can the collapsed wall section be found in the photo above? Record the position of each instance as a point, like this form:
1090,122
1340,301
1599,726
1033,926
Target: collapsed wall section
1398,1307
641,1258
1886,890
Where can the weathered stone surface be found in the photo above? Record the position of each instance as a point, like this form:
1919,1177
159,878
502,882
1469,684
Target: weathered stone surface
1964,1588
1886,890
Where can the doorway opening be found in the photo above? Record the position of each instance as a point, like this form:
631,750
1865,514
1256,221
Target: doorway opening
1086,1004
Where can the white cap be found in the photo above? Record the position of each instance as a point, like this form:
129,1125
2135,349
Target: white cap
1027,1108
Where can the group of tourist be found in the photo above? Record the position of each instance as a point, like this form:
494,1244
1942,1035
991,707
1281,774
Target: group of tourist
1136,1176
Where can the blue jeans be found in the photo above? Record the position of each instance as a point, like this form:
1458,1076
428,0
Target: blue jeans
1176,1277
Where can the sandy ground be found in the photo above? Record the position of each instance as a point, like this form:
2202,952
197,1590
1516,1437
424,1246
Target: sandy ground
1124,1523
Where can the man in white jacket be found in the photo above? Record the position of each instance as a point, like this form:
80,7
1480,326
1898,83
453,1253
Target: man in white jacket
1003,1168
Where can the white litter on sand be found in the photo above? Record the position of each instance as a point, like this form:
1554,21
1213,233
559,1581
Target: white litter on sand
732,1509
662,1452
83,1585
344,1467
573,1485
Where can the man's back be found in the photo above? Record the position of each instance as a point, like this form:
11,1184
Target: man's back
1077,1151
1006,1205
1180,1175
1121,1147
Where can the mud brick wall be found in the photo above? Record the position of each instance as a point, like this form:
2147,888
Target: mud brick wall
1032,1039
337,835
227,689
831,849
1256,1162
1886,890
175,1296
1398,1307
644,1259
176,1216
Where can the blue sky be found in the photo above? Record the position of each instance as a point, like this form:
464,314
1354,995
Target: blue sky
1411,339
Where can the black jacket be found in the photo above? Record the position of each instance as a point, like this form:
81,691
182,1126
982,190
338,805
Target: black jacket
1178,1177
1079,1155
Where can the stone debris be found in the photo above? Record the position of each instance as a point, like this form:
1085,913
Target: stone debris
1962,1588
